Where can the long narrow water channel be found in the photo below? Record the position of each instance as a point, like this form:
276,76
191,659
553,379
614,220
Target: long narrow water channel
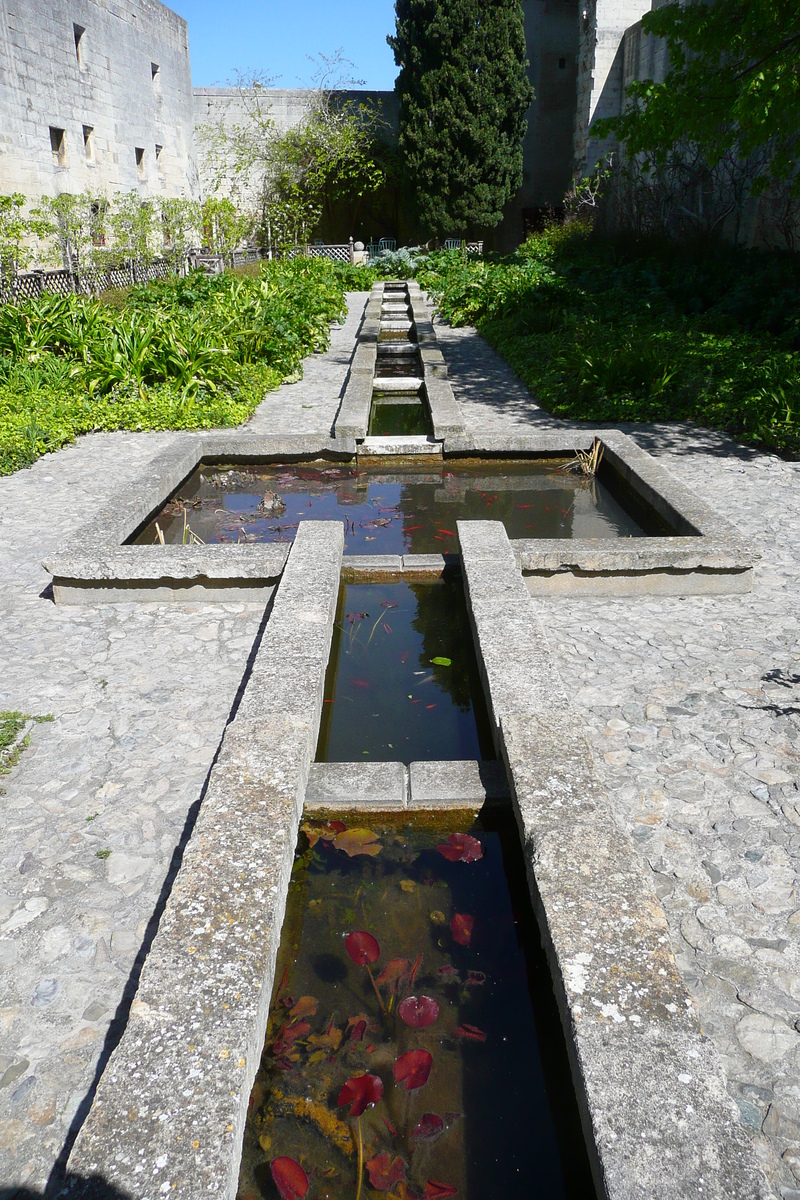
412,988
403,683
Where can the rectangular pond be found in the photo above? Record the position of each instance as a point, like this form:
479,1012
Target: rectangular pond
414,1046
403,683
402,509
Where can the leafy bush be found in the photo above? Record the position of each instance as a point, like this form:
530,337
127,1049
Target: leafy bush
605,330
184,353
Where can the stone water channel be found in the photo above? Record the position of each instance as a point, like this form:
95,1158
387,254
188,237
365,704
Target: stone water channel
169,1111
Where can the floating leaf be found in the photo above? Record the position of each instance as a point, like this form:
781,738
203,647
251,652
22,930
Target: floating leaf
434,1189
385,1171
362,947
438,917
470,1033
449,974
413,1069
441,661
358,1031
288,1036
329,1040
290,1178
430,1127
306,1006
475,978
461,928
361,1091
394,970
407,885
419,1011
357,841
460,847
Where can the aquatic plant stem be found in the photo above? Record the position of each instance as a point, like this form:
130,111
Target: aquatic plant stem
360,1160
375,990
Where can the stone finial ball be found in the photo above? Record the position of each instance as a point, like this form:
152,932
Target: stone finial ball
358,246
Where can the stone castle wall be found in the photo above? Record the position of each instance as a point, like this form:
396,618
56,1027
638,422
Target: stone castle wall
95,94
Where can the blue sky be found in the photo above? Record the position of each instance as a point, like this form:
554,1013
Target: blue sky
275,37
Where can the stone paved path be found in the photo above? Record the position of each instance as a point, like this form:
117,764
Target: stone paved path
691,707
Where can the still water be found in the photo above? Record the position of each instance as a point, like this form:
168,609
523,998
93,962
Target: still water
414,1047
408,510
403,682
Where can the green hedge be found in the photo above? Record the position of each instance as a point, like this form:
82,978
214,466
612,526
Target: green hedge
606,330
193,353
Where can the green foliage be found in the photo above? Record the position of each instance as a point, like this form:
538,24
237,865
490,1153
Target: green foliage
13,231
463,92
605,331
190,353
293,179
733,86
224,226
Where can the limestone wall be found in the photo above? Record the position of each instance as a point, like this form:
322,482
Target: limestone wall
284,107
119,90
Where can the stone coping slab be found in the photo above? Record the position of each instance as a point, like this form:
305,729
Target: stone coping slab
459,784
705,556
170,1109
656,1112
388,786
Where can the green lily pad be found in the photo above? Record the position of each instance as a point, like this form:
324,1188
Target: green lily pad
442,662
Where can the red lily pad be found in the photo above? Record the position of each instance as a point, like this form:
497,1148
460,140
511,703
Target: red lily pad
434,1189
429,1127
460,847
358,1031
361,1091
419,1011
470,1033
393,972
449,974
290,1178
362,947
357,841
413,1069
475,978
385,1171
461,928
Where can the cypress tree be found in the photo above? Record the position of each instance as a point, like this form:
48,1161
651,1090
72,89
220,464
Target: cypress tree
463,93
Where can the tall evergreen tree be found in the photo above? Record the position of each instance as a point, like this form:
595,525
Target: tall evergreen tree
463,92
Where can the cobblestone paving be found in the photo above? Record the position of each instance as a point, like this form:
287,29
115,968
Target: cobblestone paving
692,707
310,406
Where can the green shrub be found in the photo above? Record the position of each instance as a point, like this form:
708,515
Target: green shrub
184,353
606,330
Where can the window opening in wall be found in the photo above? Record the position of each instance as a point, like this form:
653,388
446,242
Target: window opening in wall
88,142
155,73
159,152
58,144
562,64
78,31
140,161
